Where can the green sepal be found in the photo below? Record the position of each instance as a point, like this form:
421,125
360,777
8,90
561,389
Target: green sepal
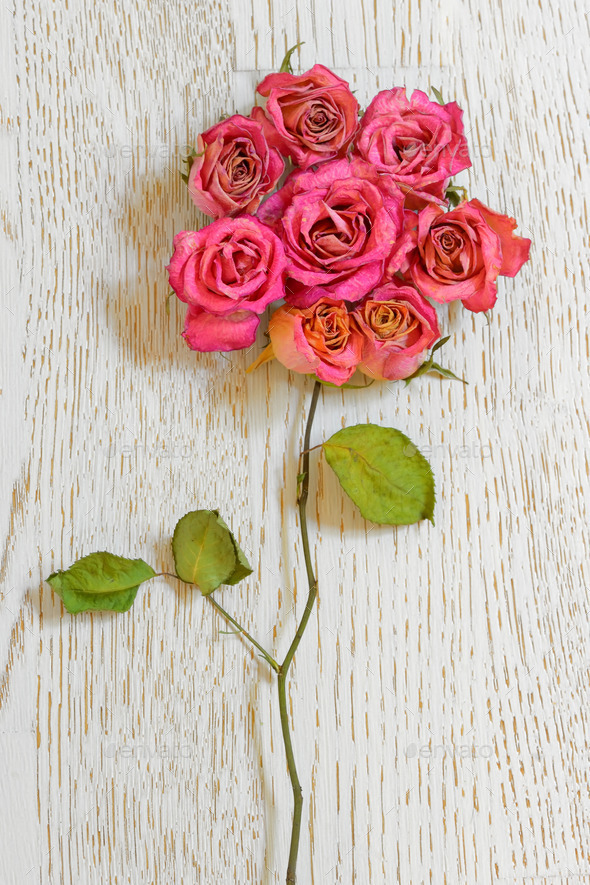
455,195
440,343
446,373
188,161
429,367
438,94
423,369
285,67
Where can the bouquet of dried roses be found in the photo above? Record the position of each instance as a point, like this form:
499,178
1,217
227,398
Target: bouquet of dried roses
359,240
356,240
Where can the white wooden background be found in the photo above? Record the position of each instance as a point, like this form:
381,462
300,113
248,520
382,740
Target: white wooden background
440,697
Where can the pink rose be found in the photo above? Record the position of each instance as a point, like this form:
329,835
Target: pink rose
322,339
338,224
232,264
234,169
398,327
314,115
228,273
461,253
420,143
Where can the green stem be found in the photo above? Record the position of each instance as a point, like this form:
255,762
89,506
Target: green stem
284,667
265,654
268,657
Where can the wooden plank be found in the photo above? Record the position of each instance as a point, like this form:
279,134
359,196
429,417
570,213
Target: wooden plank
440,697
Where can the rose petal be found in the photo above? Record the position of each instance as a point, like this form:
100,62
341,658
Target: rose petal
289,343
515,249
483,299
184,246
205,332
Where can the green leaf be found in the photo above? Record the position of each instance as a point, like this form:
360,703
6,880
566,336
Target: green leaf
437,94
285,67
100,582
206,553
383,472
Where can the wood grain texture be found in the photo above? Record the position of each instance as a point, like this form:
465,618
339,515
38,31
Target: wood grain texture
440,697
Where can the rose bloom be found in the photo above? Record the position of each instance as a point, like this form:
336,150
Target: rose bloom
322,339
398,327
234,168
339,223
419,142
460,254
228,273
314,116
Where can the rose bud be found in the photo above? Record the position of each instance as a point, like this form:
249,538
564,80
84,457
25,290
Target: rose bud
230,270
419,142
339,224
322,339
313,116
461,253
234,168
398,327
